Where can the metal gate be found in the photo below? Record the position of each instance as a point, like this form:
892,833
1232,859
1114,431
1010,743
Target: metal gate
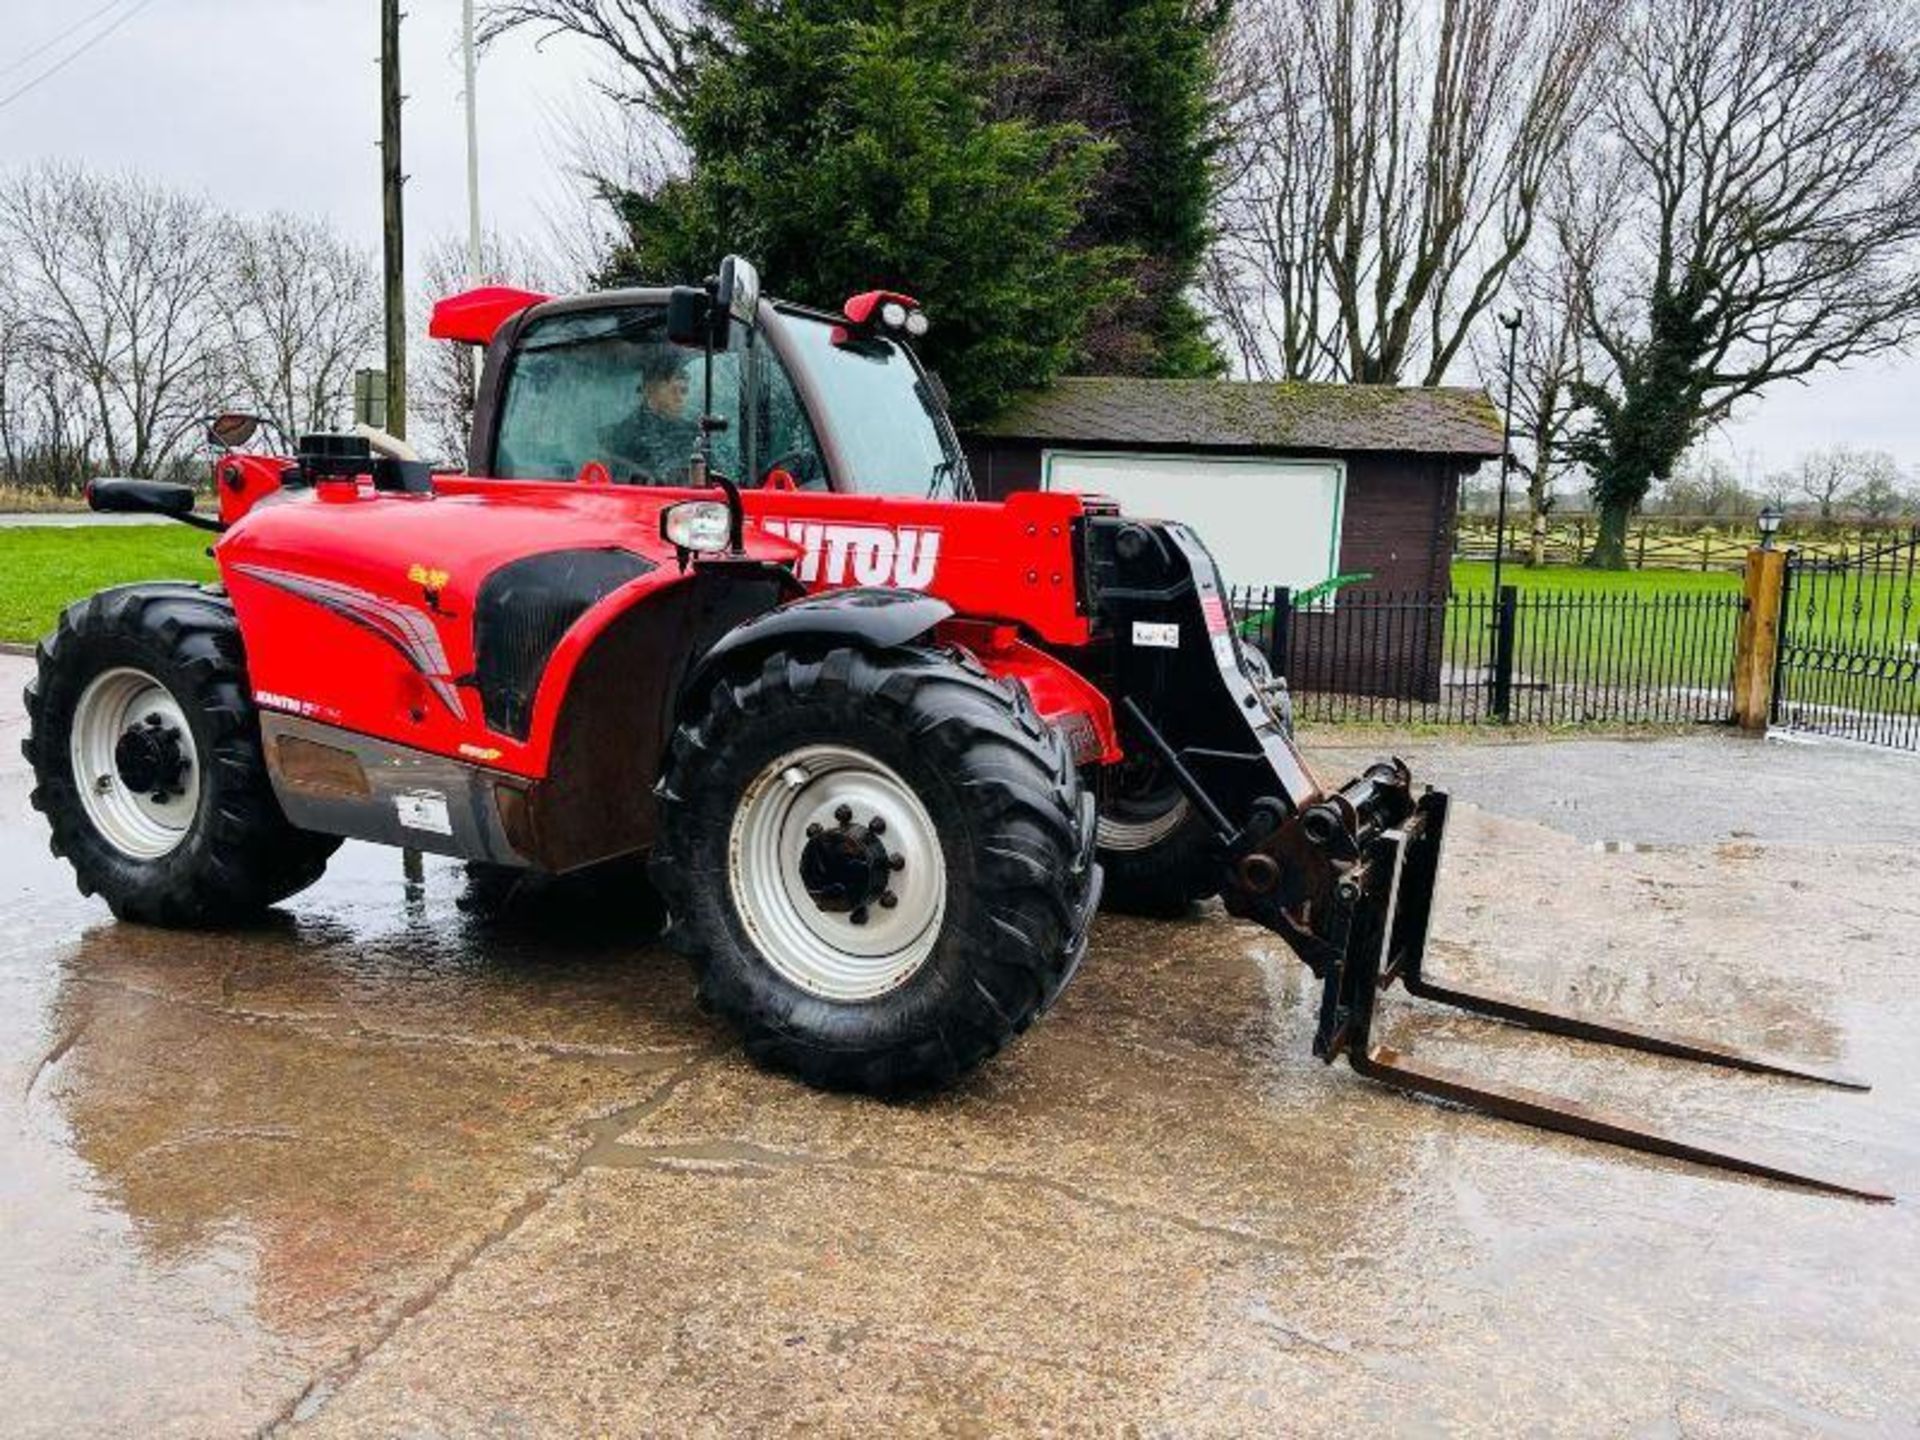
1849,658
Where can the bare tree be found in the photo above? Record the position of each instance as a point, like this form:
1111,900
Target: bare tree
1393,165
15,378
652,40
1823,476
1842,477
302,312
1883,494
1544,288
120,277
444,372
1266,276
48,439
1704,485
1769,225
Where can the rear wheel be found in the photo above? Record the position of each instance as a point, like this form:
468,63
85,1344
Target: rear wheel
1160,856
1158,852
147,762
881,865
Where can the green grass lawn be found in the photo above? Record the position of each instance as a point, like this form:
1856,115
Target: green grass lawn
45,568
1574,580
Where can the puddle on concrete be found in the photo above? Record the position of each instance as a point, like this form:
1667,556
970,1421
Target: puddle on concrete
396,1162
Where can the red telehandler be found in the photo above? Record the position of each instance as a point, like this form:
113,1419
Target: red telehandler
715,590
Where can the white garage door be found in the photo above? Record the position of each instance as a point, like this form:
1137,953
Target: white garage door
1268,522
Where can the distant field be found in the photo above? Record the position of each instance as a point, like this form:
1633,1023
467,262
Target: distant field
1574,580
44,568
1877,611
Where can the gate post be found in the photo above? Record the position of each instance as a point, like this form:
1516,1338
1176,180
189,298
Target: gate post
1504,624
1757,649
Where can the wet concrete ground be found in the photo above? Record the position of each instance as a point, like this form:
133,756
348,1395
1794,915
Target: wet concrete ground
385,1167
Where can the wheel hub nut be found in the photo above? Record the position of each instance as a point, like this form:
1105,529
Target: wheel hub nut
149,760
846,869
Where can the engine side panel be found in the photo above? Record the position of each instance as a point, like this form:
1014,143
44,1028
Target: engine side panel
366,610
359,608
525,609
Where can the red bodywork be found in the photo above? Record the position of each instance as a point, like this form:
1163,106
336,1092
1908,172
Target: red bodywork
399,575
476,316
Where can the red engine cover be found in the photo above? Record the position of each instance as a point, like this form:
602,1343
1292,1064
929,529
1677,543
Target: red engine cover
357,605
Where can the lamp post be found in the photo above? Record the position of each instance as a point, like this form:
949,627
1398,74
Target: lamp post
1769,523
471,65
1511,323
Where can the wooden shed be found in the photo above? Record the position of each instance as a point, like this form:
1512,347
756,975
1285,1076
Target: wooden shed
1288,483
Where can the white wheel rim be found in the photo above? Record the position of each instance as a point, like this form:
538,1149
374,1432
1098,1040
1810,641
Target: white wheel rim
824,952
134,823
1115,834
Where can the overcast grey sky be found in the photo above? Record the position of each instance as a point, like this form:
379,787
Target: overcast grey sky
271,104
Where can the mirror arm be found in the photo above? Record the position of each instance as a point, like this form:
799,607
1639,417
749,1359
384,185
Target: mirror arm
736,515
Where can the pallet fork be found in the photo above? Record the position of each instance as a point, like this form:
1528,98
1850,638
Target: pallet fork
1385,901
1348,882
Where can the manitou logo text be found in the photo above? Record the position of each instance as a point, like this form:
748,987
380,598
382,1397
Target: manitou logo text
861,554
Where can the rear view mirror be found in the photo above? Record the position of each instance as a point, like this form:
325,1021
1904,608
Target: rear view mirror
689,316
231,431
140,497
738,293
703,315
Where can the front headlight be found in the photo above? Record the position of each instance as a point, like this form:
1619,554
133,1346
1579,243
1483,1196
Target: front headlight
702,526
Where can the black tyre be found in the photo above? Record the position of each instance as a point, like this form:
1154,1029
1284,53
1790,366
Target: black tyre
1158,853
147,761
881,865
1160,856
615,897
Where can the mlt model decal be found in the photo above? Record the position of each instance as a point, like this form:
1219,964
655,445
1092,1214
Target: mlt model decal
402,627
861,554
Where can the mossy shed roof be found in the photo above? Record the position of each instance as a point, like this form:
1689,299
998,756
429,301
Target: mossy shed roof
1256,415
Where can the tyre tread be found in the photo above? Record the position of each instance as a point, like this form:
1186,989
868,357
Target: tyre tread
1034,889
246,857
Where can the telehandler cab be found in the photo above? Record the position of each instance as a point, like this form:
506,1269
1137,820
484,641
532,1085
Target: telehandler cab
714,589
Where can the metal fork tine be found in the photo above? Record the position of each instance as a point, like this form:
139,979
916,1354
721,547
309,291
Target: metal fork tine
1551,1112
1517,1011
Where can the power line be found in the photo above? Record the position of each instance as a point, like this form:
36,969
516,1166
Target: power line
55,69
46,45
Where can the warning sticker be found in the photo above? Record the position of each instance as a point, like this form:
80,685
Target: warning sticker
423,810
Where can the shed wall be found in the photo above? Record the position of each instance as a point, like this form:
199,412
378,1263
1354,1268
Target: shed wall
1398,523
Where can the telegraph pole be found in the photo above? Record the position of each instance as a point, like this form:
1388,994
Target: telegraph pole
393,184
474,276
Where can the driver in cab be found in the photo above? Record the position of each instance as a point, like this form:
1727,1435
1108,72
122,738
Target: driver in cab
653,444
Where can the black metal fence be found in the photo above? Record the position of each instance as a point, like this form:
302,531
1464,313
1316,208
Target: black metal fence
1531,657
1849,660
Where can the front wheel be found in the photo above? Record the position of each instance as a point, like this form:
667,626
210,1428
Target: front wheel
881,864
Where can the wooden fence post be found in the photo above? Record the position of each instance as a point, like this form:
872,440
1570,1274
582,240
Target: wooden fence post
1758,646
